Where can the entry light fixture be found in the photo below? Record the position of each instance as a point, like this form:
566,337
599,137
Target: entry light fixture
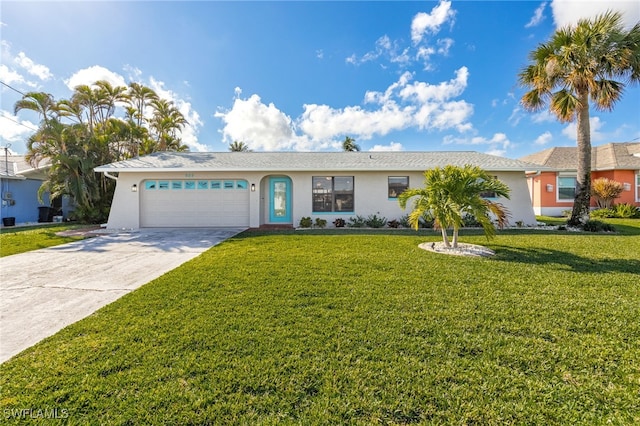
626,186
134,188
549,187
253,187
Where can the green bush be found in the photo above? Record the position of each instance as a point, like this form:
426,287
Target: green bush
597,226
357,222
306,222
626,211
602,213
320,223
373,221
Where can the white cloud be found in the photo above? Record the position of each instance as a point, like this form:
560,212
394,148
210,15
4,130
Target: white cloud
544,116
571,131
13,129
538,16
404,104
444,44
10,76
88,76
543,139
262,127
568,12
393,146
40,71
430,22
319,54
497,145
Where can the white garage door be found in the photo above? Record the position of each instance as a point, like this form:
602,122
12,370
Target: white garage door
194,203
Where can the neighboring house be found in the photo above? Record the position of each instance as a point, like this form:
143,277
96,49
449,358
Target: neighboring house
19,184
553,191
254,189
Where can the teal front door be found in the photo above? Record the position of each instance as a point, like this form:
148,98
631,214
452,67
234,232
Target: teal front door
280,200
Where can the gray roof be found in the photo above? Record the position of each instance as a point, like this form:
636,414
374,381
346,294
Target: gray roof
313,161
17,167
611,156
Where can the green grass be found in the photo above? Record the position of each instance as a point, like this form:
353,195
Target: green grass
24,239
358,328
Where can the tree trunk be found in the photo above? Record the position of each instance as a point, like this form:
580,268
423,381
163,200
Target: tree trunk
445,238
454,240
580,212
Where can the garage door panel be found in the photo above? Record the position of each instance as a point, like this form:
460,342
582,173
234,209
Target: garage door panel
174,205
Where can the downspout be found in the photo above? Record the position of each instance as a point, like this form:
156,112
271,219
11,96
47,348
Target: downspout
110,176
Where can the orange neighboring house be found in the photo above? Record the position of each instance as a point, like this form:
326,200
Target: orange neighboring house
553,189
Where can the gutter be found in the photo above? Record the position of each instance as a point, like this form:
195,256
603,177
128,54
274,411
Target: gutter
106,173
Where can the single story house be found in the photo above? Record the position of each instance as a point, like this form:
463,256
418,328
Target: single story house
261,189
20,182
553,190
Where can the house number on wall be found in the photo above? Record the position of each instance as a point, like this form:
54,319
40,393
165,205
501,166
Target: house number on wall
189,175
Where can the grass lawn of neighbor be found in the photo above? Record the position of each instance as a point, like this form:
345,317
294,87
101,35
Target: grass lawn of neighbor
22,239
356,327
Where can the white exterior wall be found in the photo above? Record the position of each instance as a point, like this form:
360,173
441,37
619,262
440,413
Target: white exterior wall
370,192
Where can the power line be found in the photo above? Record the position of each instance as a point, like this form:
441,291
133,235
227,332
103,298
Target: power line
12,88
17,122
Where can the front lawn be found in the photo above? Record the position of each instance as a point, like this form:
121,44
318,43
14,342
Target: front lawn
23,239
357,328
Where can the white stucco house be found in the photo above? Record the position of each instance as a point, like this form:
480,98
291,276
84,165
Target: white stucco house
257,189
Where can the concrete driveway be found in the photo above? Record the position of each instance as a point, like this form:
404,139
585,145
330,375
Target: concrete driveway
45,290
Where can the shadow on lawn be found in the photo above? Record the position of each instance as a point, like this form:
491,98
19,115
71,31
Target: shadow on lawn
546,256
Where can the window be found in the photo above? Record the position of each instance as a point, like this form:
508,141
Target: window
638,187
163,184
216,184
150,184
189,184
242,184
566,188
176,184
397,185
332,193
203,184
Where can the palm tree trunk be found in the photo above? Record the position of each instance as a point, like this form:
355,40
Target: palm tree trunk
445,237
454,241
580,212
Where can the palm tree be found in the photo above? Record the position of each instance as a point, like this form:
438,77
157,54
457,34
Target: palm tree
239,146
42,103
581,63
166,122
451,193
350,145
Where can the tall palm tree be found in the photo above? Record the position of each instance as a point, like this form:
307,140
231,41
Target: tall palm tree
589,61
349,145
42,103
166,123
239,146
450,193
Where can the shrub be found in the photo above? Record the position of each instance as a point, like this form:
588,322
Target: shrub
373,221
305,222
626,211
357,222
320,223
393,224
339,223
605,190
470,221
404,221
597,226
600,213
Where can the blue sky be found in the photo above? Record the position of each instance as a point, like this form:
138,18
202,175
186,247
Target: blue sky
411,76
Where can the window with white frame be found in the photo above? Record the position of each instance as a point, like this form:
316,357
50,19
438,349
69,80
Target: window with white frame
638,186
566,188
332,194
